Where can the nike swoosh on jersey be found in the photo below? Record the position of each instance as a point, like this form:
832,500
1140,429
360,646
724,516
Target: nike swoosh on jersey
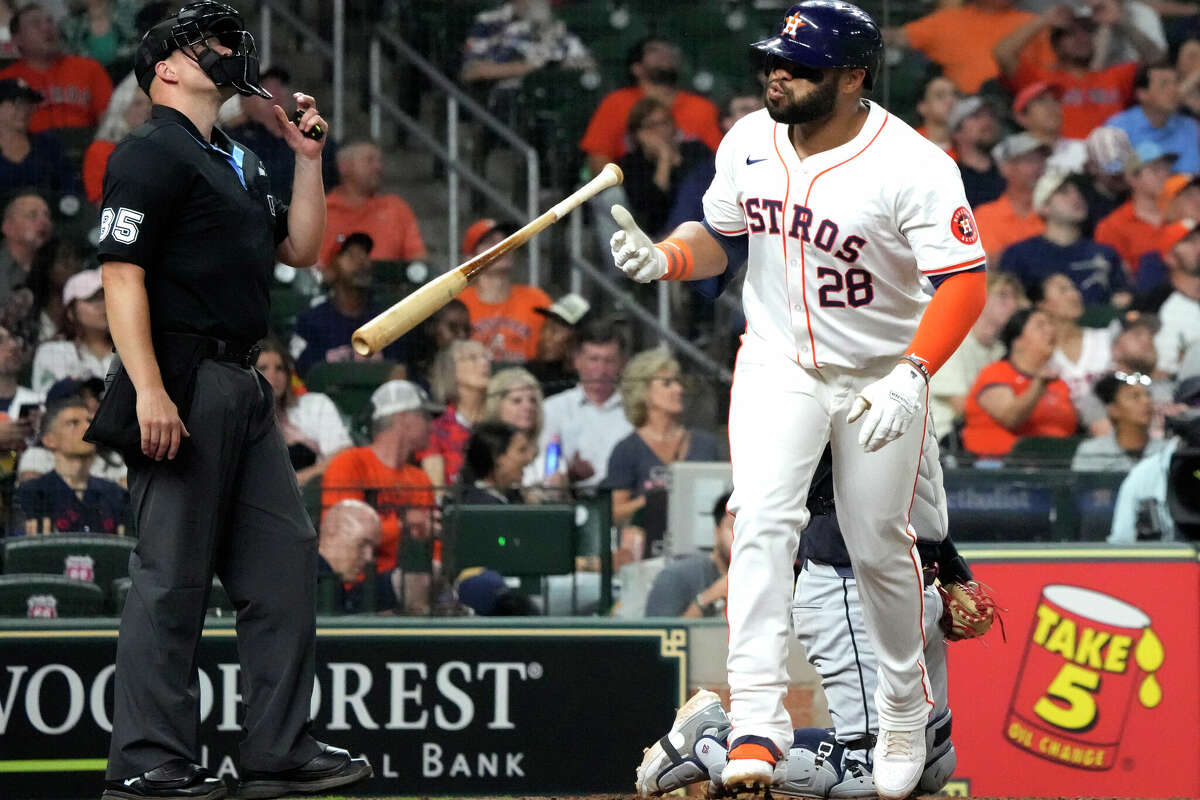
750,161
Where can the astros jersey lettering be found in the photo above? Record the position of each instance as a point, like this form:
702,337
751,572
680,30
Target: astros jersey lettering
839,242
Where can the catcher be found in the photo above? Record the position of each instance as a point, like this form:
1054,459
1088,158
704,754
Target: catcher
828,621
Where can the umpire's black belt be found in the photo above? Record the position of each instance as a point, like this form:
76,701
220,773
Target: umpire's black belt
241,353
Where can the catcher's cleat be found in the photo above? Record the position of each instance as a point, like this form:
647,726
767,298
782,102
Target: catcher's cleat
693,750
751,766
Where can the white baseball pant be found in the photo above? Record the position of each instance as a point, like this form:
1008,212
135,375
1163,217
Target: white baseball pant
780,417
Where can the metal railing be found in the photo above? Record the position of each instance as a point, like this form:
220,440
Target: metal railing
334,52
456,101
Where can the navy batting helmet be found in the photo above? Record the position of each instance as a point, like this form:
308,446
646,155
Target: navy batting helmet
827,33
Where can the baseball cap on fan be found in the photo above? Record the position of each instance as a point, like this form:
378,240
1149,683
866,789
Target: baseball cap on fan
569,309
396,396
479,229
967,107
1032,92
346,241
1047,184
1017,145
1109,149
82,285
1147,153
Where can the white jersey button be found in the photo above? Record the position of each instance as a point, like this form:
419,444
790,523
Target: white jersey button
798,307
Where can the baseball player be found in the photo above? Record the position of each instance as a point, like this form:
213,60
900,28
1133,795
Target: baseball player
845,215
829,624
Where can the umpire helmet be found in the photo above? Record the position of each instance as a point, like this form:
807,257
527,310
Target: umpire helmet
188,31
827,33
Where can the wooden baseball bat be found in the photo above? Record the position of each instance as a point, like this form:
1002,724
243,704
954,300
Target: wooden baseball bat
390,325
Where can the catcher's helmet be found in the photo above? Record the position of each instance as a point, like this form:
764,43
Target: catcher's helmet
188,31
827,33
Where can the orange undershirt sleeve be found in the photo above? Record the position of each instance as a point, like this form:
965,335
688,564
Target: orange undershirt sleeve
954,308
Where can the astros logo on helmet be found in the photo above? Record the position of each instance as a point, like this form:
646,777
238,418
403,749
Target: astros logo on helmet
794,23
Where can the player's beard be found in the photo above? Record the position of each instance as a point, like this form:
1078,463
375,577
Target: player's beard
816,105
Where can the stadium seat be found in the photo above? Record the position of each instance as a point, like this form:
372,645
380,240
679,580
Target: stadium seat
286,305
1098,316
517,540
218,600
349,383
93,558
48,596
1044,450
1094,496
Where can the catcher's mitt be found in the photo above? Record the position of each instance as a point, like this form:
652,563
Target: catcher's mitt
969,610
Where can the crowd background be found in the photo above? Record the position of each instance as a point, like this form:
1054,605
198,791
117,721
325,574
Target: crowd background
1074,126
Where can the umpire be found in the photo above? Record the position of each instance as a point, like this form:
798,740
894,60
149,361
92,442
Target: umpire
189,235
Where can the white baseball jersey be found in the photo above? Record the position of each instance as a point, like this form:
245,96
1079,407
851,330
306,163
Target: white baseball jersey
838,241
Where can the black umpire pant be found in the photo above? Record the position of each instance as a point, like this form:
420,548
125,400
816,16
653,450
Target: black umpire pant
228,503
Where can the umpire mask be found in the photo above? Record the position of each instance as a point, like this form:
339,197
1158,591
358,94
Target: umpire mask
190,31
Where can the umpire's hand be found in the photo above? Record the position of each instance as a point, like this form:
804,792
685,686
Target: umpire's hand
162,429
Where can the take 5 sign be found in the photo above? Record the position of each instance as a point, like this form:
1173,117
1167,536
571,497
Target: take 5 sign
1094,692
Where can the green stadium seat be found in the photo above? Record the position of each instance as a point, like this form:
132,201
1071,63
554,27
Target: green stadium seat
514,540
48,596
1098,316
311,494
94,558
286,305
350,383
1044,450
218,600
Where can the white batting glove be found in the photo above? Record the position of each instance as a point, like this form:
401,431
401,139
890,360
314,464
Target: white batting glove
890,403
633,252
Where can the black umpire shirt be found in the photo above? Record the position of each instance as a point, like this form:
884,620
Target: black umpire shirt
199,218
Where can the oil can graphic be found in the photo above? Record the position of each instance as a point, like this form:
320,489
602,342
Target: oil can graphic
1089,663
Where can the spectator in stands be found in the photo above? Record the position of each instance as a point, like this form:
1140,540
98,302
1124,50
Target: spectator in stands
37,460
1156,117
1187,64
87,348
656,163
77,88
960,39
261,133
1138,225
694,585
53,265
17,402
381,473
1095,269
652,394
486,594
323,332
30,160
1141,512
503,314
1038,109
105,30
496,457
1143,17
1081,355
1012,217
949,386
938,97
459,380
312,428
1103,183
589,420
974,129
689,197
1189,366
514,396
507,43
1126,399
1180,312
1089,95
69,498
1133,354
350,535
357,204
450,323
26,227
653,65
553,366
8,49
1019,395
129,108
